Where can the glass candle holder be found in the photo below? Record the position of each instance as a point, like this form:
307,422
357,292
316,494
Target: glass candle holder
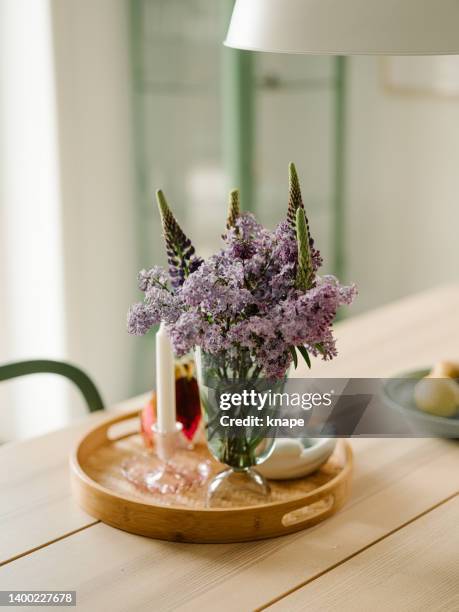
170,469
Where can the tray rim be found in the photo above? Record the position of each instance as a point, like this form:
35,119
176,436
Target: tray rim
78,472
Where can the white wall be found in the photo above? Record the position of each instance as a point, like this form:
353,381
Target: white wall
31,276
68,215
91,43
403,187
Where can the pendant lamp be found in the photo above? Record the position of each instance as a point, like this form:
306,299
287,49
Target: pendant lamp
346,27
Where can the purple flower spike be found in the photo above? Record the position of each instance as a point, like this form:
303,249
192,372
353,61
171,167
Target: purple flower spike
180,252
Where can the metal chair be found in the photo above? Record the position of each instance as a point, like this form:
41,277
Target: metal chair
87,388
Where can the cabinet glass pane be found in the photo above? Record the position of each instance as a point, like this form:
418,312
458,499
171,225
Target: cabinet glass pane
180,124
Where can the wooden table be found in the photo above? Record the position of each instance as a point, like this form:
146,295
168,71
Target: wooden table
395,546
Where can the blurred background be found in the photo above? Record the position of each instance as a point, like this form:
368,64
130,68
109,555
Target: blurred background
103,102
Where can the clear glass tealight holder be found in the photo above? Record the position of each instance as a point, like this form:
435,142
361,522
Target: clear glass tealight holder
171,467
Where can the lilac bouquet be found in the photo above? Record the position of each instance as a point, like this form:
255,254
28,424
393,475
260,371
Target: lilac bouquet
256,304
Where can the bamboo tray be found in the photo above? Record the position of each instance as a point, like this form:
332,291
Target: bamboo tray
101,490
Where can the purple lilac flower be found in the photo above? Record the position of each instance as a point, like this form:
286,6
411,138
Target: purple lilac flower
215,340
164,305
185,332
154,277
248,227
241,249
140,319
216,288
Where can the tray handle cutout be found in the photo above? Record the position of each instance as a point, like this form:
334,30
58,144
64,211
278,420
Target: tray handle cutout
123,429
309,512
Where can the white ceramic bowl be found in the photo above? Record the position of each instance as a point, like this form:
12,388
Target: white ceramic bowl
296,457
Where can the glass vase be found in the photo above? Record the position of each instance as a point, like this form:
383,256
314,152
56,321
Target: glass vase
240,448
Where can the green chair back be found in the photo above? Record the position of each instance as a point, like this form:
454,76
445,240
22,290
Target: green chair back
87,388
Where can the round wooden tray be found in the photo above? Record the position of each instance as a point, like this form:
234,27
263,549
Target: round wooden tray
101,490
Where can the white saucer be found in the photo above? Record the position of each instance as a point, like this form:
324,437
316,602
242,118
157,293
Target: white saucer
296,457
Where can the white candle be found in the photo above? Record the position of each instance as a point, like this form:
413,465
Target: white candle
165,382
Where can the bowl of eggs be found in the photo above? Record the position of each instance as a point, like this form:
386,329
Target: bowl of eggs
428,399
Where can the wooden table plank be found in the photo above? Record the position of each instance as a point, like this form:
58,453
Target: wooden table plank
36,505
414,569
111,568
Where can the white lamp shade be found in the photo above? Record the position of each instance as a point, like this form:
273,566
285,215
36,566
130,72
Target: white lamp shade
346,27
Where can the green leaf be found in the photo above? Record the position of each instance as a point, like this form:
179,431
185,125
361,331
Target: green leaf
294,356
305,355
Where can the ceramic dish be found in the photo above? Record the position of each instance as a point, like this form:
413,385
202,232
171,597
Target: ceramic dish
296,457
398,393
